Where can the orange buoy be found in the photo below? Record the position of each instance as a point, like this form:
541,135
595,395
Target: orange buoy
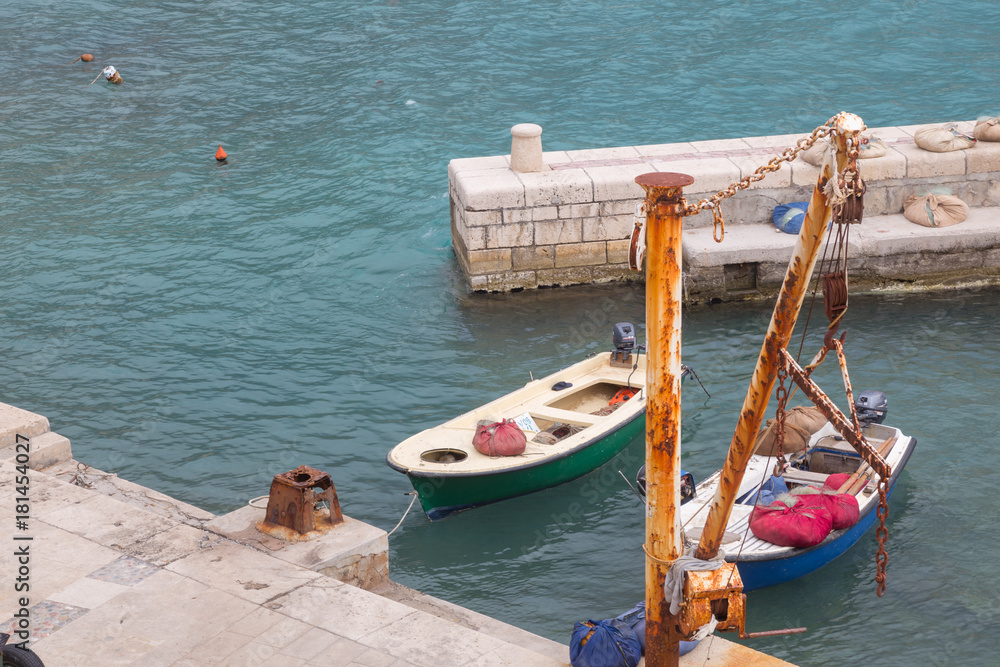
86,57
220,154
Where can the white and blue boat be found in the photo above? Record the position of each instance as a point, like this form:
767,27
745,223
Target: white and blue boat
762,563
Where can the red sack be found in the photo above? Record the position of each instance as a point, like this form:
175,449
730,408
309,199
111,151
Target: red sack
502,438
805,524
843,507
834,482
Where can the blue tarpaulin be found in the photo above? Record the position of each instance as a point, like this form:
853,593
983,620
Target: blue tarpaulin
788,217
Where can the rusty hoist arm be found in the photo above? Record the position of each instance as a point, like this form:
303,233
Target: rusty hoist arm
870,455
793,289
836,418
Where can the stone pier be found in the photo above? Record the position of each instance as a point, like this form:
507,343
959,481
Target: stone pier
120,574
569,223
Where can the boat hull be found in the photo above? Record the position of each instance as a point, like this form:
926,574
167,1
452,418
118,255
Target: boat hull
583,416
763,572
444,494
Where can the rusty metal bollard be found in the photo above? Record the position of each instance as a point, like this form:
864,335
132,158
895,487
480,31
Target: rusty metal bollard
291,506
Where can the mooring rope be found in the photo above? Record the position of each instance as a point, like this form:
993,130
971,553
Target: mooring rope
413,500
257,499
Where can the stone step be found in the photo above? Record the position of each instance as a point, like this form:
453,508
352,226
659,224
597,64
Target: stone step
876,236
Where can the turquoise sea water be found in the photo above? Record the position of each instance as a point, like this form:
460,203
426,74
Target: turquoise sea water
197,327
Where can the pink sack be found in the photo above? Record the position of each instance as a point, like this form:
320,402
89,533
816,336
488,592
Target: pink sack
843,507
805,524
834,482
502,438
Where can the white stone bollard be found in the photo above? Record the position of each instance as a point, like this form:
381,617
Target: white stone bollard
526,147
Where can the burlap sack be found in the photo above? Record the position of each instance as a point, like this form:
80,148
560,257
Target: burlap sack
814,155
800,423
941,139
987,129
933,210
874,148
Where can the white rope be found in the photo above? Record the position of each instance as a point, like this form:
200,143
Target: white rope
705,630
411,493
253,500
832,190
673,584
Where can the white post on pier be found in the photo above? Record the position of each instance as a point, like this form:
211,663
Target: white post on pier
526,147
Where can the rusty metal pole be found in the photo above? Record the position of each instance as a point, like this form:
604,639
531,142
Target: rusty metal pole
779,332
663,405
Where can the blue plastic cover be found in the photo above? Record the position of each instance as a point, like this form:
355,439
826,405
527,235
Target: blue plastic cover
769,491
604,644
635,619
788,217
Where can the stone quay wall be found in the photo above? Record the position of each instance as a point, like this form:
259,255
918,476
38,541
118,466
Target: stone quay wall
569,223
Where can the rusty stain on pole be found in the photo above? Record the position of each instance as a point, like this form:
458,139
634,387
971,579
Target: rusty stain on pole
779,332
663,404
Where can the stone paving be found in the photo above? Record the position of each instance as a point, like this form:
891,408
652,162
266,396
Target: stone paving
143,579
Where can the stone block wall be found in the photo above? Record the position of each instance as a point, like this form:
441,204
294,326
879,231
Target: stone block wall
521,230
570,223
369,571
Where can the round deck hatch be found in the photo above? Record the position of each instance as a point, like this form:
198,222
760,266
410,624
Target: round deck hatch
444,455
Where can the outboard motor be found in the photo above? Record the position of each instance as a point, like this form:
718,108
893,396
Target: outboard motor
624,340
687,484
624,336
872,407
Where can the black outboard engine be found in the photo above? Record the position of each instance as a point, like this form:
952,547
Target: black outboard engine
687,484
624,336
624,340
872,407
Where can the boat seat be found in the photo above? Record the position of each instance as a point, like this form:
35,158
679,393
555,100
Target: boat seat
564,416
832,443
796,476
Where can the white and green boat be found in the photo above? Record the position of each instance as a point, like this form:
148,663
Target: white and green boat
570,428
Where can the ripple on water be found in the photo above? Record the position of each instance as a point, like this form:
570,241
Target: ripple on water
198,327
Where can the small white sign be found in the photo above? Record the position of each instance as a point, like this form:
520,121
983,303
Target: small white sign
526,423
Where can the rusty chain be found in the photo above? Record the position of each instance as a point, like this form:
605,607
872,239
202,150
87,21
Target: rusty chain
781,395
847,191
881,467
774,164
881,535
